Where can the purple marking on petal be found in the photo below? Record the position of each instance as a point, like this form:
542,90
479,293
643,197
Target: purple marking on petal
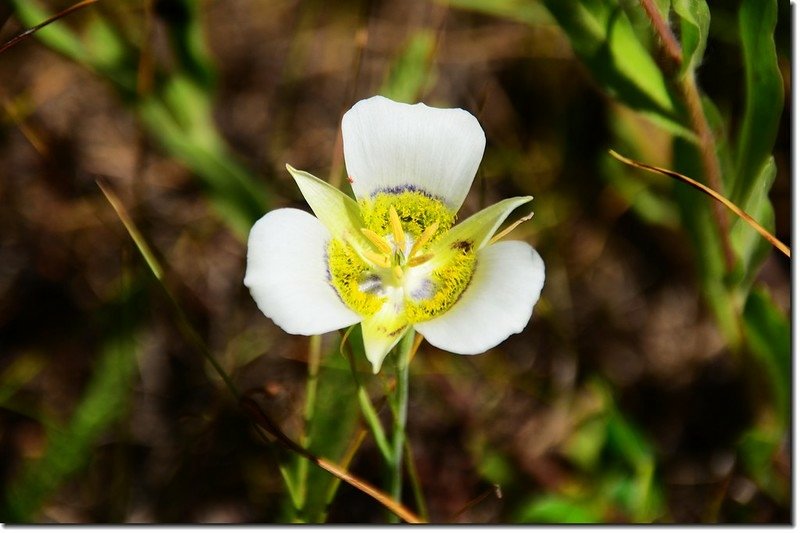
398,189
327,259
371,284
424,291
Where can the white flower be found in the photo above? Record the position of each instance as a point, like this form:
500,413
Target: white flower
392,259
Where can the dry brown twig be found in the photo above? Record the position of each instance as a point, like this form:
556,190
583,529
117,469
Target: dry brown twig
30,31
713,194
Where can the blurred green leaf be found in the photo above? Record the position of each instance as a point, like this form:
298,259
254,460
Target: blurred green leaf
494,466
70,448
695,19
585,444
769,338
21,370
104,45
603,37
638,189
524,11
186,133
412,69
182,20
764,94
554,509
330,431
757,447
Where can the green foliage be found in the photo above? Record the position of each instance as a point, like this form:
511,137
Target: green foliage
554,509
69,448
330,431
769,338
523,11
695,18
411,71
603,37
617,471
764,95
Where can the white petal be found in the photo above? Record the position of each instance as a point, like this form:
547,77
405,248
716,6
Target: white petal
498,301
287,274
389,146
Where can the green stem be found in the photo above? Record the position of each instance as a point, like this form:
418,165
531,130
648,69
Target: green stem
314,357
399,400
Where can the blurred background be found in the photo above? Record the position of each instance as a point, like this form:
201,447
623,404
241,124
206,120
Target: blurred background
652,384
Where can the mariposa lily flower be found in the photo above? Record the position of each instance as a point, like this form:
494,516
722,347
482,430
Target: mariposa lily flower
392,258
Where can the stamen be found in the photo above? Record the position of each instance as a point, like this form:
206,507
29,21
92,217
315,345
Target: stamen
398,272
424,238
376,258
397,229
415,261
379,242
510,228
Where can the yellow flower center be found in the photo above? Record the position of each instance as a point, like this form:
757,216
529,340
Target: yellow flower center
391,260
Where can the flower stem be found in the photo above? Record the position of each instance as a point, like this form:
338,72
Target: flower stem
399,401
690,95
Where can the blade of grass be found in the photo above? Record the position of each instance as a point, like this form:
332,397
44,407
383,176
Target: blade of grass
416,486
713,194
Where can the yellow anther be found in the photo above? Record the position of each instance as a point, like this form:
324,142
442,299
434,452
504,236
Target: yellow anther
377,259
379,242
398,272
510,228
418,260
397,230
424,238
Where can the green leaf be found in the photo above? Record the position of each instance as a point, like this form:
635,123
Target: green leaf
585,444
769,337
523,11
603,37
330,430
411,70
764,94
756,448
695,19
750,247
554,509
